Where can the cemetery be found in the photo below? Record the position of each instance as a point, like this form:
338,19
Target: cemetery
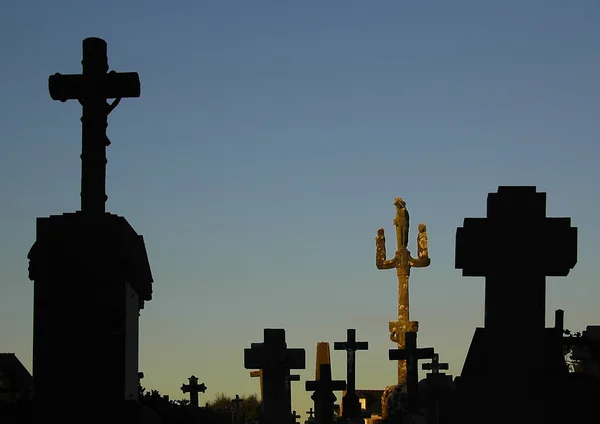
98,258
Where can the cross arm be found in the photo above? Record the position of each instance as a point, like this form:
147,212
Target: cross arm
419,263
113,85
295,359
333,385
254,358
401,354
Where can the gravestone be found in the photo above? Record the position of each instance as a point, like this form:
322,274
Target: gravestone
311,418
351,408
438,390
411,354
323,396
193,388
275,360
236,402
515,248
90,268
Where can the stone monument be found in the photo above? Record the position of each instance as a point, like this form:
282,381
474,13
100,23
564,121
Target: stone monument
275,360
90,268
515,248
193,388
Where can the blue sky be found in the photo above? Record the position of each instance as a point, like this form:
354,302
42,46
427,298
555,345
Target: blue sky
268,144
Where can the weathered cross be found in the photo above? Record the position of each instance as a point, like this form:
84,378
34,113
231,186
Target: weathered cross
403,262
435,366
323,394
295,416
92,88
411,355
258,373
193,388
275,360
350,402
515,248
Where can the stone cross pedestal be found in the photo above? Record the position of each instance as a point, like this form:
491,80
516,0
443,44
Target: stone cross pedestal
412,355
275,360
323,394
515,248
193,388
90,268
350,403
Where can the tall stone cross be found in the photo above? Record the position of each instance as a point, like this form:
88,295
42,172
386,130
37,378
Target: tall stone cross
95,254
411,355
435,366
193,388
515,248
275,360
92,88
323,396
350,403
403,262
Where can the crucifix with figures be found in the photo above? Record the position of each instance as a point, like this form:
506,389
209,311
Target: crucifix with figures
403,262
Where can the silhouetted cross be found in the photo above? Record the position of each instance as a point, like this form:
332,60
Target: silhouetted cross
193,388
236,402
310,413
351,346
323,394
92,88
412,355
515,248
435,366
295,416
275,360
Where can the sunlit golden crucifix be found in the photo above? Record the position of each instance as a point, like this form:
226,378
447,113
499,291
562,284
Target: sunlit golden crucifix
403,262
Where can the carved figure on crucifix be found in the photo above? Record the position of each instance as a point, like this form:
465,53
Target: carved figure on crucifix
351,408
402,262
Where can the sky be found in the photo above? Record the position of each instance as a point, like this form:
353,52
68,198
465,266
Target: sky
267,147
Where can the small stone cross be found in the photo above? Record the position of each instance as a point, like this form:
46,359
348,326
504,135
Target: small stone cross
193,388
412,355
435,366
323,394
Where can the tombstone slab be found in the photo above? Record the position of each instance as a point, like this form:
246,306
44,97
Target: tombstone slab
275,360
515,248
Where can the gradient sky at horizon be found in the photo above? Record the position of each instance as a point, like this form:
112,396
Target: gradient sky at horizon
268,144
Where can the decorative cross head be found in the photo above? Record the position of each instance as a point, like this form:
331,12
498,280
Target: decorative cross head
435,366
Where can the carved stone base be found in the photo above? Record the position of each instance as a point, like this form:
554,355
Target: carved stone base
394,402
